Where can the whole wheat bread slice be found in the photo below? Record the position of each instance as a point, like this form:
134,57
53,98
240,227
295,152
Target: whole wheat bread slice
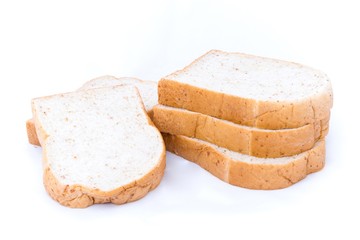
246,171
239,138
249,90
98,145
147,89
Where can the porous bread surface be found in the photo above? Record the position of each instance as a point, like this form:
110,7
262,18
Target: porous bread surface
253,77
239,138
100,139
107,81
147,89
247,171
249,90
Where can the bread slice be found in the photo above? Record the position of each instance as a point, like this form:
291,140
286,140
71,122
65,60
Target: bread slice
239,138
249,90
98,145
147,89
246,171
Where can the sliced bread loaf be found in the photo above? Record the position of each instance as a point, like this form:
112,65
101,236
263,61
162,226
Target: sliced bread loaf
147,89
98,145
246,171
239,138
249,90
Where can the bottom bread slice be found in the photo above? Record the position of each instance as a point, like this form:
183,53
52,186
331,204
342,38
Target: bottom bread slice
244,170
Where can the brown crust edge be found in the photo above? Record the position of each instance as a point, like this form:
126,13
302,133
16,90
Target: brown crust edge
266,115
31,132
255,142
252,176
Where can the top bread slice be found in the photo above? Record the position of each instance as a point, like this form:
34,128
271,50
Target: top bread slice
249,90
147,89
98,145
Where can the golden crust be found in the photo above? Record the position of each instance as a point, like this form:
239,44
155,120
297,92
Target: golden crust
261,114
251,141
242,174
31,132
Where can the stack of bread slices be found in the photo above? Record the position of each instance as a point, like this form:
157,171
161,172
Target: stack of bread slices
253,122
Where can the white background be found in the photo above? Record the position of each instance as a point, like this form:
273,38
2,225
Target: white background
48,47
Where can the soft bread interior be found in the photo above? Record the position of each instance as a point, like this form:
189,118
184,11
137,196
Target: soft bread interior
253,77
147,89
100,138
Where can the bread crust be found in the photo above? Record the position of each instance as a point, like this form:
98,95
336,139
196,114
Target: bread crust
244,111
31,132
249,112
251,141
247,175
